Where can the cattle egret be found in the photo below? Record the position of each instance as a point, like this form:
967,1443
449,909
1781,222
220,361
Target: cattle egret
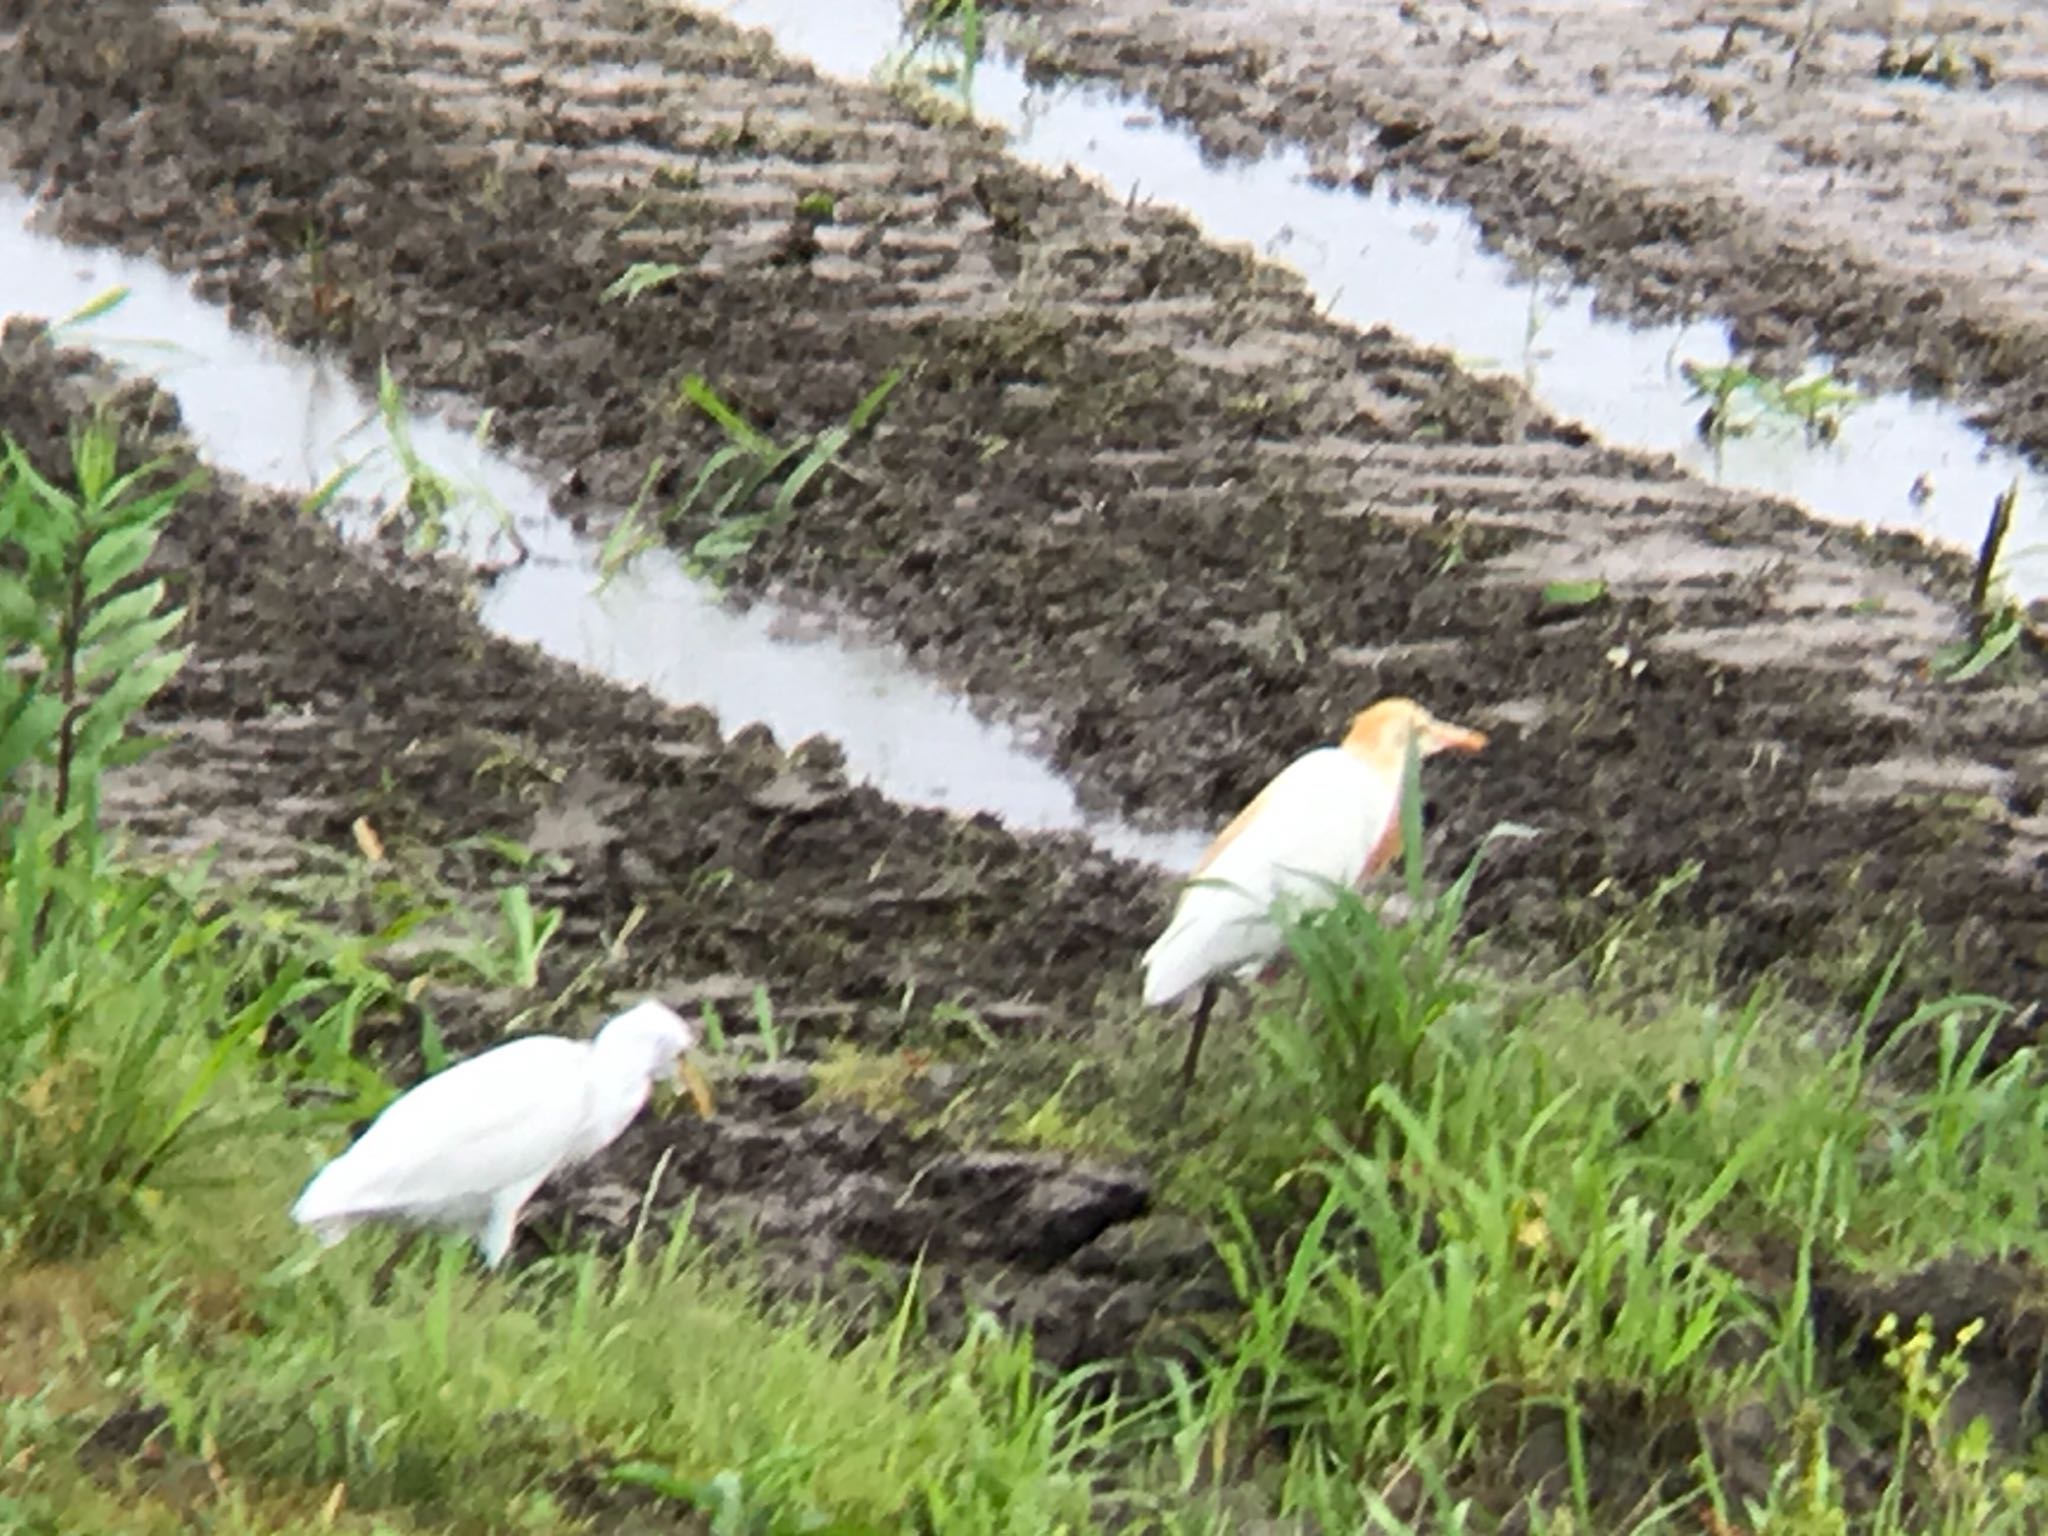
1331,818
467,1148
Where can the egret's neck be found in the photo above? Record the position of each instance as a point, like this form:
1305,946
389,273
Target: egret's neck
618,1076
1384,749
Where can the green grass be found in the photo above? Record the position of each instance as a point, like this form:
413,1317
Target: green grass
469,1403
661,1369
1454,1201
1469,1208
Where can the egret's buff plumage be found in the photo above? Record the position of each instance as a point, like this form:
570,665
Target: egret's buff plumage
1330,819
466,1149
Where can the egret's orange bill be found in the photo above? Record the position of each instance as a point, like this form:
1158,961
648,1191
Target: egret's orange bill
693,1083
1455,738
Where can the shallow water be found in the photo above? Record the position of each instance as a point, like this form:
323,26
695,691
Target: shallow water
282,418
1419,267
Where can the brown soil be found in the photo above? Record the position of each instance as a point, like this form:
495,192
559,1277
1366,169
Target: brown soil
1861,178
1136,490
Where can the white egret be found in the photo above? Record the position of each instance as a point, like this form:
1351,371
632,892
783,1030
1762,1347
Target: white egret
465,1149
1328,820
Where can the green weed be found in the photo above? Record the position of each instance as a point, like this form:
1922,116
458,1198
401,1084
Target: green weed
101,976
1568,596
1739,399
1507,1219
1448,1201
729,484
656,1370
1997,620
83,639
369,919
125,1025
429,498
945,40
641,277
429,495
102,303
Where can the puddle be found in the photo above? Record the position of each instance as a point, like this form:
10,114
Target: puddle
1419,267
280,418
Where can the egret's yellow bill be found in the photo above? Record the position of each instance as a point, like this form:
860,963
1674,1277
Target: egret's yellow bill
693,1083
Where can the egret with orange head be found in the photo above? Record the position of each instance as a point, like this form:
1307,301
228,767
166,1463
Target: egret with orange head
1329,820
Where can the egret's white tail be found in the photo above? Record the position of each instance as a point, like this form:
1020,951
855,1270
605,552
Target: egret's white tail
327,1202
1212,937
1173,964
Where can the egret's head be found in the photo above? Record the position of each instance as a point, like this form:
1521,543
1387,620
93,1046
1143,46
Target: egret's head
658,1041
1382,732
654,1032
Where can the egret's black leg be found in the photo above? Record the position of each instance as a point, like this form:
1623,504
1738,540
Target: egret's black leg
1201,1027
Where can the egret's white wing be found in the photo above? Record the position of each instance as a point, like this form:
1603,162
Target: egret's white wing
495,1120
1313,828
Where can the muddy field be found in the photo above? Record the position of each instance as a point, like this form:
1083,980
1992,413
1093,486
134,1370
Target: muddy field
1861,178
323,687
1134,491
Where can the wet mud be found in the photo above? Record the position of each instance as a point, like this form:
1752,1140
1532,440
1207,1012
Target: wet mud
1857,179
1133,490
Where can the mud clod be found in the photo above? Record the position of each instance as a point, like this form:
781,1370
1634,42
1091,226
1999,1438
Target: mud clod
1043,1209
